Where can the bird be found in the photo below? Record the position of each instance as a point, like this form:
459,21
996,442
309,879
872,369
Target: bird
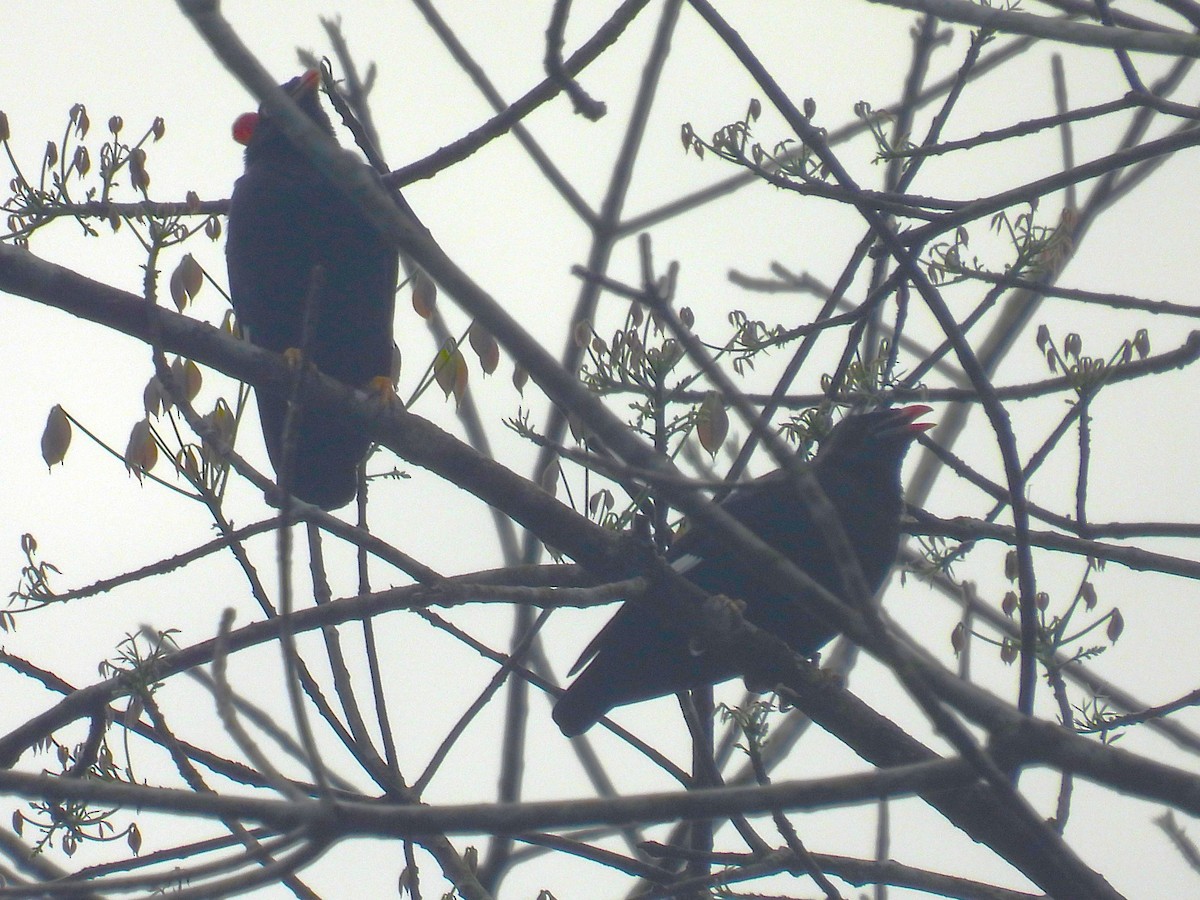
642,653
296,243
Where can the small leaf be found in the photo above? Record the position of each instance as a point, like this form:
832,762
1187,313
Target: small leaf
193,275
1043,337
582,333
188,377
958,639
159,128
1008,652
134,839
424,294
548,480
1116,625
141,453
154,401
1088,592
1073,345
1009,604
712,423
602,500
138,176
520,378
579,430
221,423
450,372
485,347
1141,343
178,292
82,160
56,436
756,110
1011,569
5,134
187,462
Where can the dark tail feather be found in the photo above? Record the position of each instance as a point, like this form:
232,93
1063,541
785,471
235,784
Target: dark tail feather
578,710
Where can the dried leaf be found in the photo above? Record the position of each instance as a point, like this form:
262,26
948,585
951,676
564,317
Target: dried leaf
56,437
187,377
582,333
1116,625
141,453
1008,652
958,639
424,294
1011,568
712,423
154,400
193,275
82,160
1088,592
138,176
485,347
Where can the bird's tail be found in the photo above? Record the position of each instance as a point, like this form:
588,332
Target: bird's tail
579,708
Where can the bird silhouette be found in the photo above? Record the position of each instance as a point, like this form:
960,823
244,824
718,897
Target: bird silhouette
297,246
643,653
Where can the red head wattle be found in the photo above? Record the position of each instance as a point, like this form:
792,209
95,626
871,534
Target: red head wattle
243,127
245,124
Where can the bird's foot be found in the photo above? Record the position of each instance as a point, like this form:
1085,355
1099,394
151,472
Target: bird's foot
296,359
381,390
722,616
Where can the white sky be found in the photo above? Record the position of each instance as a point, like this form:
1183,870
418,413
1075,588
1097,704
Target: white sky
495,216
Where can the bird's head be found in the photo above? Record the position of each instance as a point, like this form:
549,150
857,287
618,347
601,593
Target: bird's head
880,437
257,131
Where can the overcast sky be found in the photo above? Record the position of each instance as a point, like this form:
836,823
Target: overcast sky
496,217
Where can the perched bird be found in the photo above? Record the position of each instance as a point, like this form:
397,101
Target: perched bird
296,244
641,653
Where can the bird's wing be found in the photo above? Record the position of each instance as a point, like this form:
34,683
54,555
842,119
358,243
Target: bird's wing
695,555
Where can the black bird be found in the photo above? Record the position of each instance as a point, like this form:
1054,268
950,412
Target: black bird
642,654
295,240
